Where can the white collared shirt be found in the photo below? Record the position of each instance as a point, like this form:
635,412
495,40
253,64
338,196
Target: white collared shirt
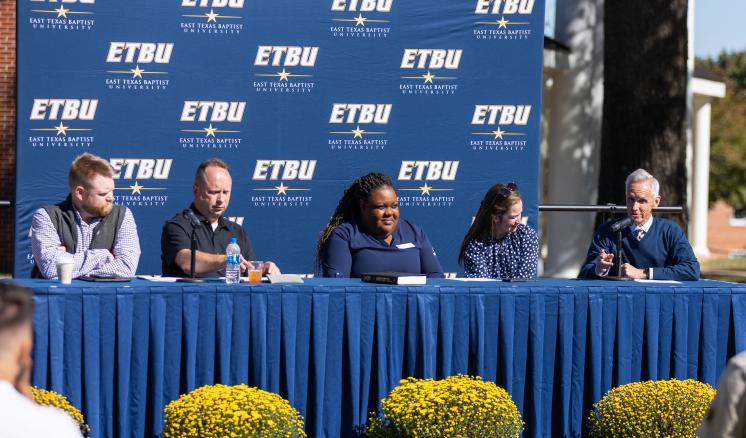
645,227
22,418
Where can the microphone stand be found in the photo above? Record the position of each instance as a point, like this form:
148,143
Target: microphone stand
619,255
193,261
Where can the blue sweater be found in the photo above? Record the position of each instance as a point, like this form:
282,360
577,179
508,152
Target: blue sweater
664,248
350,252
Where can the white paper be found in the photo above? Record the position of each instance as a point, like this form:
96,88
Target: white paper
643,280
405,245
474,279
158,278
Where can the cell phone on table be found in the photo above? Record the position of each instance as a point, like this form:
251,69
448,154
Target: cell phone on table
103,278
518,279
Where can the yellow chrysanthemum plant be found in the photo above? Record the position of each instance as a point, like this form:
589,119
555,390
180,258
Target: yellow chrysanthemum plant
51,398
662,408
458,406
231,411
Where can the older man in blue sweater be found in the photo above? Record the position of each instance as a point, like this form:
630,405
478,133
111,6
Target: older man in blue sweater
652,247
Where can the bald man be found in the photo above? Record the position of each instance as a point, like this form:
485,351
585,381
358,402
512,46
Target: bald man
211,195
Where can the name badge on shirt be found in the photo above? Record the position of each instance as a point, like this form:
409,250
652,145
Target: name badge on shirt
405,245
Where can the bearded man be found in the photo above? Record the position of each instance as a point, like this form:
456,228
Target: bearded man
101,236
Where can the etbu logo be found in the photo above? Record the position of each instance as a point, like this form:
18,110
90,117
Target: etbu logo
428,170
284,170
141,53
212,111
505,7
360,113
141,168
362,5
431,58
509,114
237,4
286,56
64,109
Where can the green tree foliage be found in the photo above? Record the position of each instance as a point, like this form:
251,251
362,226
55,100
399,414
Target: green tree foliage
728,153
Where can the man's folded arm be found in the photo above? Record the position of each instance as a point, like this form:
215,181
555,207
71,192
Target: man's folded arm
45,244
125,255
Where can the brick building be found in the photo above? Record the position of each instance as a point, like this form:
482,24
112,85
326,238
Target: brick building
7,129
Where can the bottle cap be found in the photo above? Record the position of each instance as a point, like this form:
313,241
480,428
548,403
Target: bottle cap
233,240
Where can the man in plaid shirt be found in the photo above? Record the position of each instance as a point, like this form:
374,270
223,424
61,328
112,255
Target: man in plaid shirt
102,236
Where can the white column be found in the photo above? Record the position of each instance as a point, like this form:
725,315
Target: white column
572,160
700,177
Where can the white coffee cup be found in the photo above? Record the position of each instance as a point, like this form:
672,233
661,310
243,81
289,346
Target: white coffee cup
65,265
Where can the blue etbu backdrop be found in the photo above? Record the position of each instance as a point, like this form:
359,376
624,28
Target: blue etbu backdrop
298,97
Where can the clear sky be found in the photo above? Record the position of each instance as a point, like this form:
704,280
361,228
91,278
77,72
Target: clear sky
719,25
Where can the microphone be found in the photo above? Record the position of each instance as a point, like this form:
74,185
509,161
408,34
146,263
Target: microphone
191,217
621,224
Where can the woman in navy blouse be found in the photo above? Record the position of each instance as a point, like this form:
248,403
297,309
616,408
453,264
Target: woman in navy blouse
498,245
365,235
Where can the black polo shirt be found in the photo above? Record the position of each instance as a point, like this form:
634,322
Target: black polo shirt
177,234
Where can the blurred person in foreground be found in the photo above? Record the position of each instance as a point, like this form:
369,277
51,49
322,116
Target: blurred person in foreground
497,244
652,248
211,195
365,235
727,414
101,236
20,415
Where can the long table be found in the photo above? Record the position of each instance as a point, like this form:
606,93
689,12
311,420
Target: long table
335,347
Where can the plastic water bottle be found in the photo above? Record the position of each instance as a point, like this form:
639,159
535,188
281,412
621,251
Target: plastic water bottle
232,262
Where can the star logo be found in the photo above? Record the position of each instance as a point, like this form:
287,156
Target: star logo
137,188
428,77
211,16
360,20
62,12
61,129
498,133
426,189
358,133
209,131
283,75
282,189
137,72
502,23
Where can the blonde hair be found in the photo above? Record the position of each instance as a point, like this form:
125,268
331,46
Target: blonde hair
85,167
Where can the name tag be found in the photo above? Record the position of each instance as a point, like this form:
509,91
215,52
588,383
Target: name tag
405,245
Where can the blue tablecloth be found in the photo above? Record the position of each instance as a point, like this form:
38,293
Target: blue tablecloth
335,347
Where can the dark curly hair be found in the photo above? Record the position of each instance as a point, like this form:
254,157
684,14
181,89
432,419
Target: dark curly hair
348,209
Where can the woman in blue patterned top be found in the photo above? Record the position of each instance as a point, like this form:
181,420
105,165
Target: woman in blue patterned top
498,245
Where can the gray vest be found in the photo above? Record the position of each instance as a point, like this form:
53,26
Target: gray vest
63,219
